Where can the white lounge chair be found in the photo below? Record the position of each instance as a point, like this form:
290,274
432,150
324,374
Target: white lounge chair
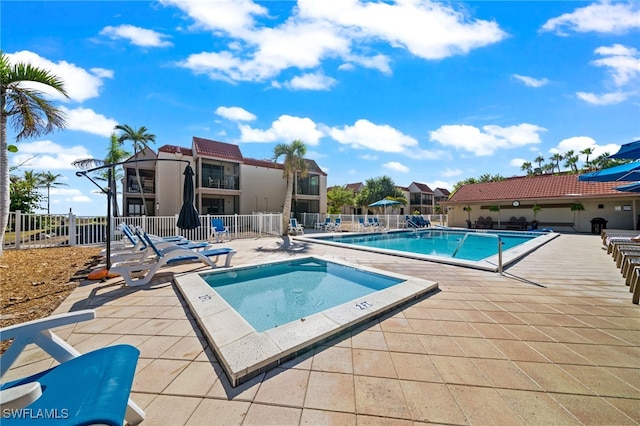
141,272
294,227
93,388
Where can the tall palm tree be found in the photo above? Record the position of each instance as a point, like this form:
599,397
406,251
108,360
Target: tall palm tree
587,151
293,162
30,114
115,154
571,161
140,139
527,166
48,180
539,159
556,158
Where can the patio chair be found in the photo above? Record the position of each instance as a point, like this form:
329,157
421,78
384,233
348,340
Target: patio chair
294,227
337,226
142,271
92,388
410,222
218,231
362,225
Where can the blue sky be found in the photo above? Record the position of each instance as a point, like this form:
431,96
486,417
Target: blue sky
432,92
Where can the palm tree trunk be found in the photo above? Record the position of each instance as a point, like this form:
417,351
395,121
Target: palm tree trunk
48,200
144,202
4,176
286,209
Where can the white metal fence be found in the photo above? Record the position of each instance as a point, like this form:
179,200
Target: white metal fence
40,231
350,221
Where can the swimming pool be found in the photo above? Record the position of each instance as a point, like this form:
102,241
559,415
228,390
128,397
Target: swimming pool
246,348
476,249
273,295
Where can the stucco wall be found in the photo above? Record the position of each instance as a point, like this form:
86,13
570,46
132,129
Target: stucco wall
263,189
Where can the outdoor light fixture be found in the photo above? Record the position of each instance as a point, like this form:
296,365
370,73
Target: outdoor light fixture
515,203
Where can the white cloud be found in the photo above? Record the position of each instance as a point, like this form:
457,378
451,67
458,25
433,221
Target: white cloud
285,129
311,81
487,140
86,120
439,184
367,135
79,83
48,155
451,172
396,167
601,17
517,162
138,36
530,81
429,30
623,62
579,143
604,99
368,157
316,31
235,113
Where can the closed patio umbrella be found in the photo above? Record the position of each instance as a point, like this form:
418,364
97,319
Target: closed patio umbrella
188,218
629,172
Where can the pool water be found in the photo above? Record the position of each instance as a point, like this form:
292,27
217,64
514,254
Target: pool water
268,296
452,244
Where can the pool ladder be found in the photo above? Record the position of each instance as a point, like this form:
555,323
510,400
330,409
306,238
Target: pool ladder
483,235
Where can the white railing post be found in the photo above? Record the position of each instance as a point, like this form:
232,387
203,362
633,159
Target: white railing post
17,227
235,225
72,229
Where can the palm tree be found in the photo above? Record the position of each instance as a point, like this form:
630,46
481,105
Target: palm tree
588,165
556,158
539,159
48,180
293,162
115,154
30,114
140,140
528,167
571,161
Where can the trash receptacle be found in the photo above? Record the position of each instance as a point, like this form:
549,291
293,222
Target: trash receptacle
598,224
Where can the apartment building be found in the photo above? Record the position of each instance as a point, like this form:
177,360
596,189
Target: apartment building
226,182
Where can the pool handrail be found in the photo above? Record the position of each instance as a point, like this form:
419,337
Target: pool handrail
483,235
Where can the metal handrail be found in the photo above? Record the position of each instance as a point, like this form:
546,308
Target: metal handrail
483,235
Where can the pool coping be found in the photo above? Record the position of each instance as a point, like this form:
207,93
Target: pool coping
490,263
244,353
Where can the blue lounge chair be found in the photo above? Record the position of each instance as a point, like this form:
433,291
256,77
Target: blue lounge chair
218,230
82,389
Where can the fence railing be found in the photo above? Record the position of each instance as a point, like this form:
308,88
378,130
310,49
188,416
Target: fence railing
350,221
26,230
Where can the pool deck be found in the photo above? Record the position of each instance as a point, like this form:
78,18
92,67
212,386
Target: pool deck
555,340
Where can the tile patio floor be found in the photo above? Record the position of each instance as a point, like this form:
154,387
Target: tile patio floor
556,340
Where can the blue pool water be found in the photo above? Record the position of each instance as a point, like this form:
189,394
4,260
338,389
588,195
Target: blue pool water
271,295
452,244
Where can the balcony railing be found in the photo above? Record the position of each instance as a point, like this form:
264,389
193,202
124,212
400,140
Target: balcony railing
224,182
147,186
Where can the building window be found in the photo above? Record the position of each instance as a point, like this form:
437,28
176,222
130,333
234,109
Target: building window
134,207
306,206
309,185
147,179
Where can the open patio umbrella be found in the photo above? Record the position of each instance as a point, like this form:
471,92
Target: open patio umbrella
384,203
188,218
629,172
628,151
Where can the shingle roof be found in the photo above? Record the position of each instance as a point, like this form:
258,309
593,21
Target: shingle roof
444,191
217,149
263,163
535,187
171,149
423,187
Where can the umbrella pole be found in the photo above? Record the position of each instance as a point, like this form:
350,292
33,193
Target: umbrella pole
109,195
